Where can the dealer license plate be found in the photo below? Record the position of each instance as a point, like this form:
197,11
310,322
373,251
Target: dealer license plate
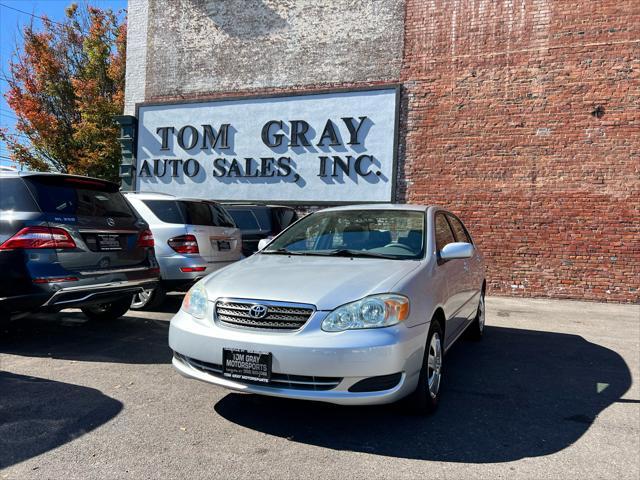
246,365
108,242
224,245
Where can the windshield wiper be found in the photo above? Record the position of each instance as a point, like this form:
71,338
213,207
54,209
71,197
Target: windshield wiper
345,252
282,251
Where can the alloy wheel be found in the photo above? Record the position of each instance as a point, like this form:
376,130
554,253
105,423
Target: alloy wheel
142,298
434,365
481,313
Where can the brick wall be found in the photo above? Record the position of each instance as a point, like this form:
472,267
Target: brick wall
523,117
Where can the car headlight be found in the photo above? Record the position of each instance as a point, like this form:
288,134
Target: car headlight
371,312
195,301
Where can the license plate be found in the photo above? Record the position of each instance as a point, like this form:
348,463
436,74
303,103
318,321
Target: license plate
108,242
246,365
224,245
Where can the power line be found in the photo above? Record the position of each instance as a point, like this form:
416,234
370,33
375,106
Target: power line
32,15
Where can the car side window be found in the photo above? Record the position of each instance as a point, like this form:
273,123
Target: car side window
15,196
167,211
459,231
443,232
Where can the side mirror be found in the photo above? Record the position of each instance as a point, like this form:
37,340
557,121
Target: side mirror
264,242
456,250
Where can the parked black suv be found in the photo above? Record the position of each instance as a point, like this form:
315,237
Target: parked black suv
259,221
69,241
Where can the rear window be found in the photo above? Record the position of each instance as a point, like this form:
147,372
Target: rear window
264,218
167,211
220,217
245,220
15,196
197,213
76,196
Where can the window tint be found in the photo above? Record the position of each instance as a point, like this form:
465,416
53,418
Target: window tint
264,218
244,219
220,216
443,232
167,211
15,196
78,196
282,218
197,213
458,230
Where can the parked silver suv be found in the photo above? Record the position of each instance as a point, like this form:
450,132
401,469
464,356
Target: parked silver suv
192,239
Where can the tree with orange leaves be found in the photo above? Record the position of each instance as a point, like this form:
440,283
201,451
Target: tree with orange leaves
66,83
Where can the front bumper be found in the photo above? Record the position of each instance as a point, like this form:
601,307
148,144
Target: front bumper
350,356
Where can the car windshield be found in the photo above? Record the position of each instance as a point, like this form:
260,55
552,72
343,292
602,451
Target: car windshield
395,234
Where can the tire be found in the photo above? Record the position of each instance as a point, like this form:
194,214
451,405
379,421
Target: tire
104,312
424,400
148,298
476,329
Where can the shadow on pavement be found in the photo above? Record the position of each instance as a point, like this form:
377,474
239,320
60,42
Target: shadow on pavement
516,394
38,415
69,336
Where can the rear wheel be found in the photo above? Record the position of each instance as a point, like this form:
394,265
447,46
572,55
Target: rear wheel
148,298
427,394
476,329
104,312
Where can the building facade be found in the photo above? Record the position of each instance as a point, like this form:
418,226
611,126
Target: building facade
521,116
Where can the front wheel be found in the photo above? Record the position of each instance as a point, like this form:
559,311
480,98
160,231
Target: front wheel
427,394
104,312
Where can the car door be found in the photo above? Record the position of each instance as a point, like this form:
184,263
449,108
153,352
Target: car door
471,281
453,272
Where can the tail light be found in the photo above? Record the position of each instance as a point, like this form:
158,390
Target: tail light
184,244
192,269
145,239
54,279
39,237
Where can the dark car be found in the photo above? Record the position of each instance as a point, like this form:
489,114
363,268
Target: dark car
259,221
69,241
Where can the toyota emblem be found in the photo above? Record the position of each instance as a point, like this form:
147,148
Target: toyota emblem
258,311
111,222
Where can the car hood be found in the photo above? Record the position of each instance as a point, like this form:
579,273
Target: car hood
326,282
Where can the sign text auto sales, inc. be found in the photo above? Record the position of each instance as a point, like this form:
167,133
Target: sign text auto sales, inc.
280,139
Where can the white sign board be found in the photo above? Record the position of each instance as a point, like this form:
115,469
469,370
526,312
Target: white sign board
315,148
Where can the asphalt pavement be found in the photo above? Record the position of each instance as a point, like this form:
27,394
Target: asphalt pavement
551,392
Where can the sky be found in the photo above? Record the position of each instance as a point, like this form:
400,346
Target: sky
11,23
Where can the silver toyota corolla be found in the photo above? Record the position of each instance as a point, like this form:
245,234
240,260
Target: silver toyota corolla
350,305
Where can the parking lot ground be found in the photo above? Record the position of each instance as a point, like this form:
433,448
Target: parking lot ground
551,392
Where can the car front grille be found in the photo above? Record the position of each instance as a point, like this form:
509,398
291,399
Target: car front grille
278,380
276,316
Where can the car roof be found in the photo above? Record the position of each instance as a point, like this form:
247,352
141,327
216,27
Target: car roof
15,173
26,174
163,196
381,206
253,205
